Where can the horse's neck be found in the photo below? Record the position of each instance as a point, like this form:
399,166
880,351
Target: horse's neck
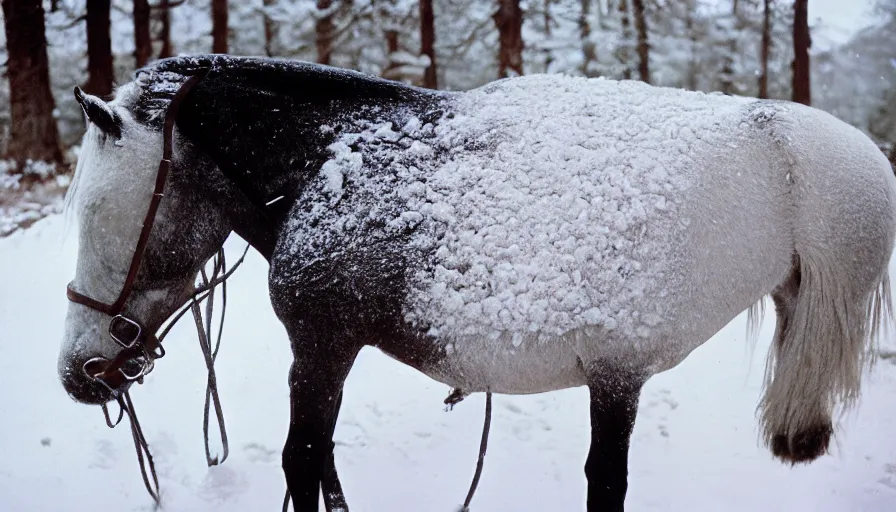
269,146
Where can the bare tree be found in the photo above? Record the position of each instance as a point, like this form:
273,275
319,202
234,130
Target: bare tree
548,29
690,8
392,68
428,43
324,30
643,43
589,49
142,36
33,132
509,21
164,12
802,41
625,21
99,48
219,26
728,66
269,29
766,47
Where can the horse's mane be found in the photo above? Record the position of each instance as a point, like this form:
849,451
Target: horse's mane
154,86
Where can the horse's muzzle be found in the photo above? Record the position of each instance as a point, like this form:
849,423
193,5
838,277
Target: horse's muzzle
82,380
83,388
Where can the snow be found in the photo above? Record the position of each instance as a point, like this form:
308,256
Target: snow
547,227
695,446
543,229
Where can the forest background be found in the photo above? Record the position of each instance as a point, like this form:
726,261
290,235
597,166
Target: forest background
761,48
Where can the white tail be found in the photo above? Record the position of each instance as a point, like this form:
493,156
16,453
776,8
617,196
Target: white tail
837,297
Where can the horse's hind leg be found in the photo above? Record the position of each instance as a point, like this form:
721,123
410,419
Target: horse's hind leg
614,403
316,380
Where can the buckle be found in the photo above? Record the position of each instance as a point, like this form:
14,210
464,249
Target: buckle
131,331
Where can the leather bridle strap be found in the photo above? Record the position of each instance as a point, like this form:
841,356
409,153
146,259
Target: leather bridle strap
158,192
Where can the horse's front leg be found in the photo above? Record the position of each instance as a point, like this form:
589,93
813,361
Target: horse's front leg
315,383
334,498
614,403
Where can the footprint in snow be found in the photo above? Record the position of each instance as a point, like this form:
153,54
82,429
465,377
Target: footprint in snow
256,452
889,478
512,407
222,484
105,455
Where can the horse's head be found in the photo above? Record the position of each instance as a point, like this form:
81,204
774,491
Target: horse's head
114,183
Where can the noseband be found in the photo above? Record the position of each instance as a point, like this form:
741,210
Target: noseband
136,344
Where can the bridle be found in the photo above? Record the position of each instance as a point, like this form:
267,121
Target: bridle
135,342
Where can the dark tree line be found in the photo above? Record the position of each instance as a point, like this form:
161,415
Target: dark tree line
34,134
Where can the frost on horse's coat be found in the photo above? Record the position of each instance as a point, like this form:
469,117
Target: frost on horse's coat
564,219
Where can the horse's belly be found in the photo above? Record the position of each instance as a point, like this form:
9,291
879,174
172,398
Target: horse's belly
480,364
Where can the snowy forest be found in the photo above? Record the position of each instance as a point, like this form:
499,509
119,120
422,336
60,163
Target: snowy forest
759,48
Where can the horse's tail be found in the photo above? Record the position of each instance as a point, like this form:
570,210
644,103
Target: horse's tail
837,297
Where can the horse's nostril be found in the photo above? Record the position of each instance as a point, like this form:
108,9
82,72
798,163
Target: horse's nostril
82,388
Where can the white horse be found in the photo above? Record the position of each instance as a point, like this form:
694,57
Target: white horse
534,234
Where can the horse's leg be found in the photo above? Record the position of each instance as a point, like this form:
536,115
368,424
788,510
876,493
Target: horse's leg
614,404
315,381
334,498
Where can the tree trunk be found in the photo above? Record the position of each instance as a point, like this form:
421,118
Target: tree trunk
548,21
728,66
99,49
802,41
509,21
219,26
324,30
643,44
428,43
692,37
766,47
391,47
269,29
165,32
589,49
142,37
33,132
626,40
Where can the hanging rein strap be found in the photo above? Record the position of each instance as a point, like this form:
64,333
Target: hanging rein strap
483,445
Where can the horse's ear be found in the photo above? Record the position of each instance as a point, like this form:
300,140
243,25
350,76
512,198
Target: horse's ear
99,113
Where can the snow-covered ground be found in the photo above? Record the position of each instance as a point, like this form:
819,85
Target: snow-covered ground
695,446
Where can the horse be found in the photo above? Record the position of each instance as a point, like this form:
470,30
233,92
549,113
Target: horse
537,233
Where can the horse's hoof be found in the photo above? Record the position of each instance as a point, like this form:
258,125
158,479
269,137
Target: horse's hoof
804,446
